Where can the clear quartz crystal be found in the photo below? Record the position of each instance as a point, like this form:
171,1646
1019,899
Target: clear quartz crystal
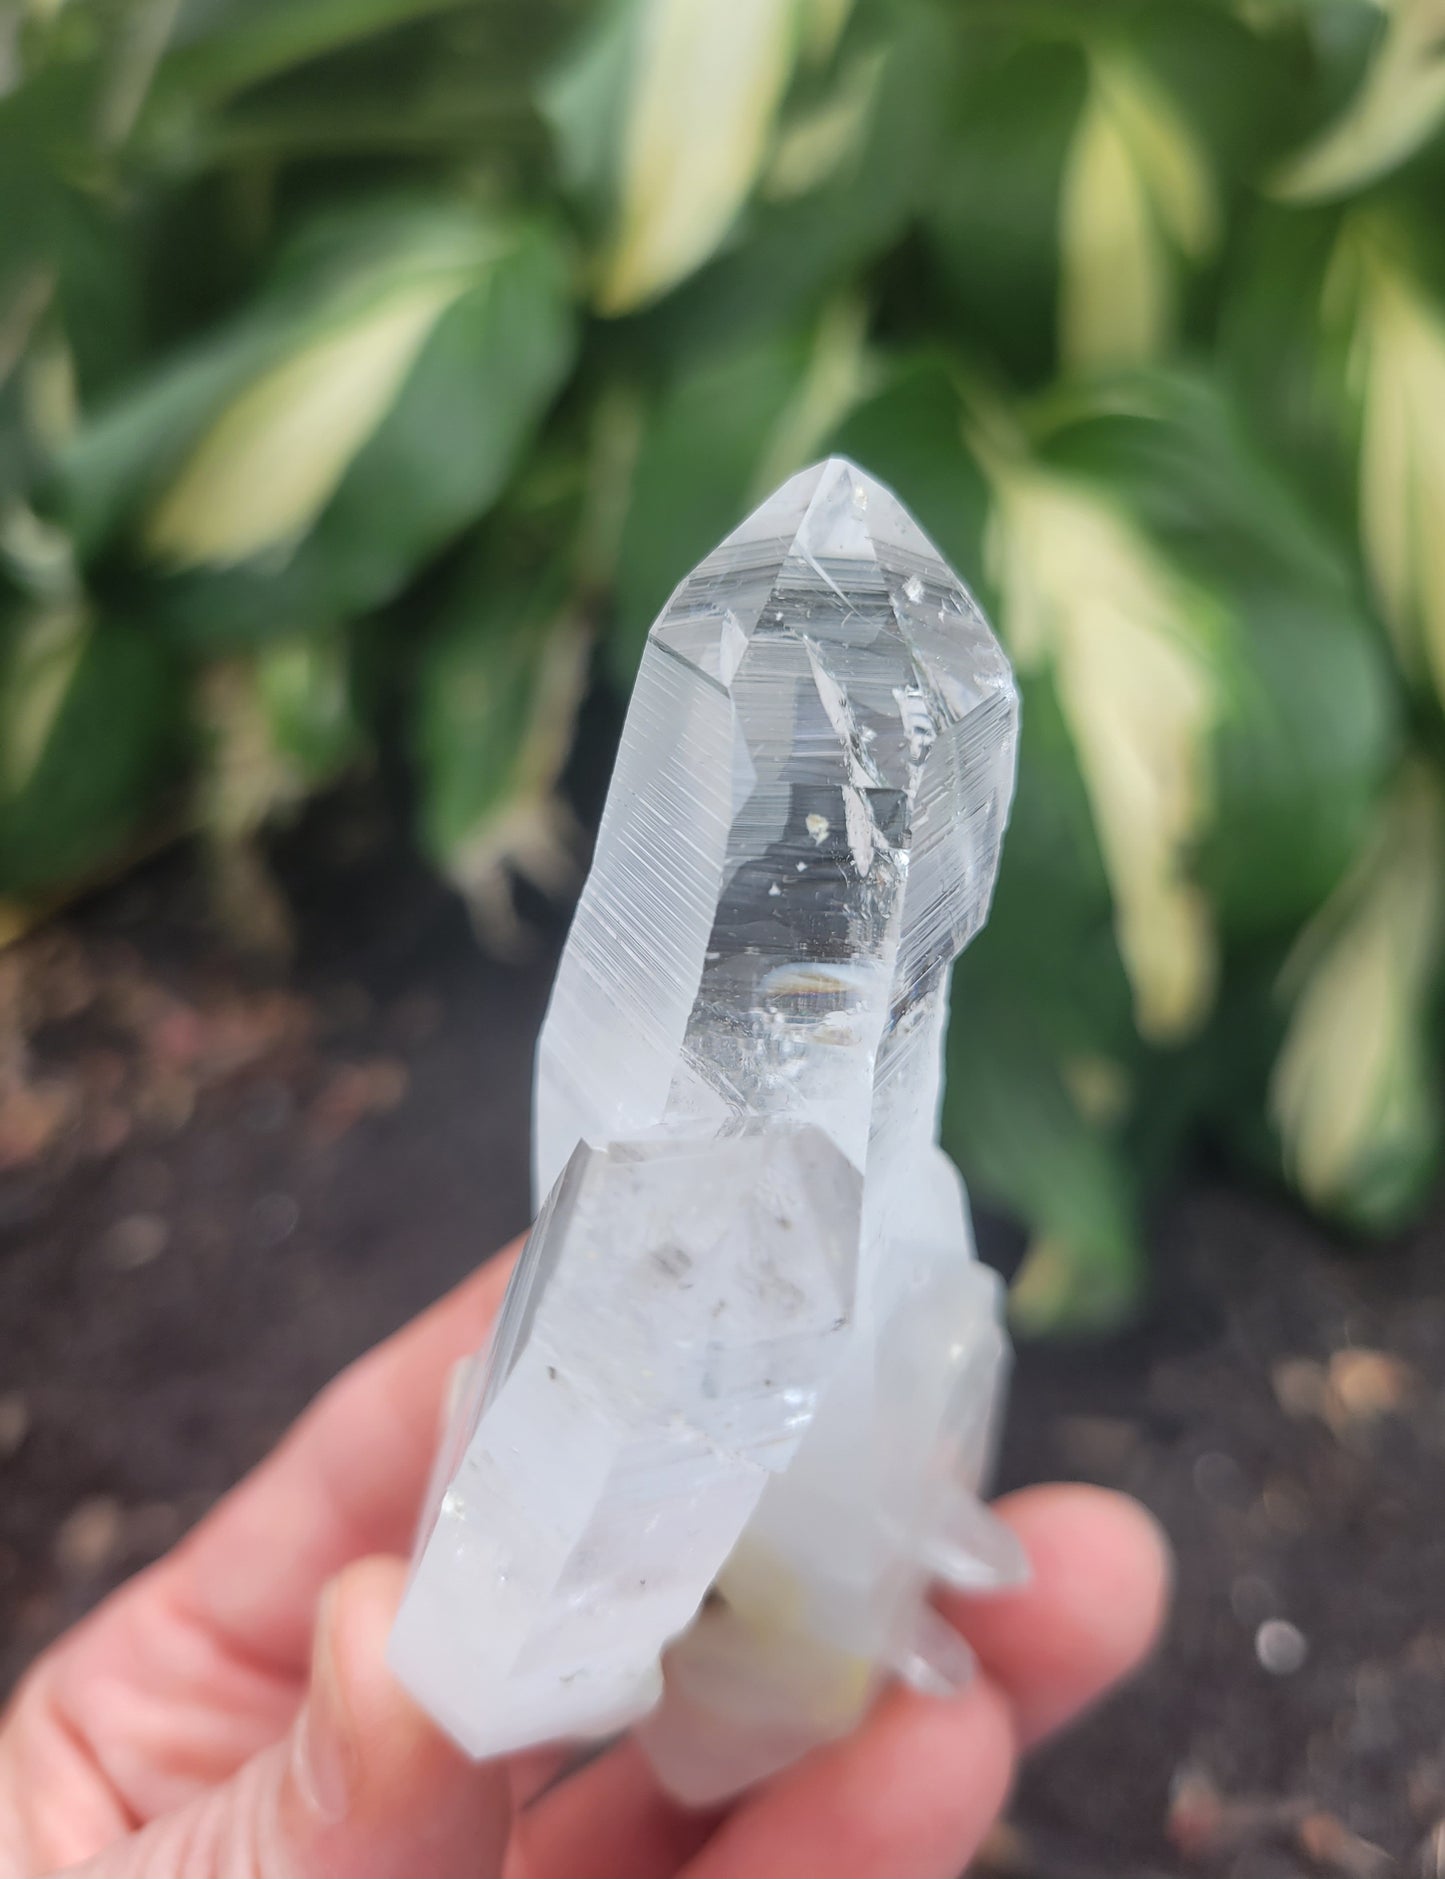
803,831
672,1319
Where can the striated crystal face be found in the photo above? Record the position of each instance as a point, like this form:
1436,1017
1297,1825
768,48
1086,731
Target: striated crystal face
802,832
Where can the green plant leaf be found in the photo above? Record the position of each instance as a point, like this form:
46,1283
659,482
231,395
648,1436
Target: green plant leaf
1300,760
221,48
1307,737
1355,1093
1136,650
1025,1145
995,208
114,459
1396,325
307,694
792,254
1398,107
258,479
910,435
497,691
584,100
478,336
443,454
1043,1060
1284,378
102,720
701,451
705,84
42,140
1251,90
1138,196
333,273
1084,185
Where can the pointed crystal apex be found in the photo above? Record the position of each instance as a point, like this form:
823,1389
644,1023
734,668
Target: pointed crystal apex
832,510
935,1660
780,516
803,830
835,524
834,556
972,1550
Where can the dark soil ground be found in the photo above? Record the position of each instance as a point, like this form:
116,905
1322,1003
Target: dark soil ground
217,1186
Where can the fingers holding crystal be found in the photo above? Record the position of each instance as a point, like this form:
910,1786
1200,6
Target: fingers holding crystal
913,1791
610,1820
934,1658
969,1549
1090,1613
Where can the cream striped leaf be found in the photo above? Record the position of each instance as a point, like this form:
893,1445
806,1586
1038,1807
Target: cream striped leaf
1129,643
1397,368
708,79
1350,1093
268,465
1137,196
1400,104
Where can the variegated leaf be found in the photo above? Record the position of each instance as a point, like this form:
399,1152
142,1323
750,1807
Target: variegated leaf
1399,105
1397,366
1129,642
1352,1093
1137,197
707,81
269,464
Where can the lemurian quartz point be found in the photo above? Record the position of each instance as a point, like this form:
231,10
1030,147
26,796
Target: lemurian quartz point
734,1418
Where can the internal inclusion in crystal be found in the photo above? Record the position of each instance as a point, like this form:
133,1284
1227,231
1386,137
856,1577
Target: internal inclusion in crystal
673,1317
803,830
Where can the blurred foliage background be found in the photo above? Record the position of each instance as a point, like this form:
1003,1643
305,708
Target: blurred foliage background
370,370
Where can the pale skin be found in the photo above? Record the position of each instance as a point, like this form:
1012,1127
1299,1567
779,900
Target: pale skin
229,1713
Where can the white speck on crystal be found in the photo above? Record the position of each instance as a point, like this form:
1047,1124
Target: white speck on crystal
818,827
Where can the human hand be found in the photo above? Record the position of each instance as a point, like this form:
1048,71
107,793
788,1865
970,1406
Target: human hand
229,1712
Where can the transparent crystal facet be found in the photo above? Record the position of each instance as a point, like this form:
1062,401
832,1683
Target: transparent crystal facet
802,832
672,1319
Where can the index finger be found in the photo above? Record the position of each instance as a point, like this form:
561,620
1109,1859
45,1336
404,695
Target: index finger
1090,1612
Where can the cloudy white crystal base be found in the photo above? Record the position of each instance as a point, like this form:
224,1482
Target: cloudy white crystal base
827,1593
674,1316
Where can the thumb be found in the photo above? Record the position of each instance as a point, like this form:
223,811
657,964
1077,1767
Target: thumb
362,1787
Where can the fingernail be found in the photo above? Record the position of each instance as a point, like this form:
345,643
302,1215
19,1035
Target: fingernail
325,1749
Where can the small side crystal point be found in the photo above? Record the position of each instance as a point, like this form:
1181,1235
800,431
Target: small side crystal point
803,831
